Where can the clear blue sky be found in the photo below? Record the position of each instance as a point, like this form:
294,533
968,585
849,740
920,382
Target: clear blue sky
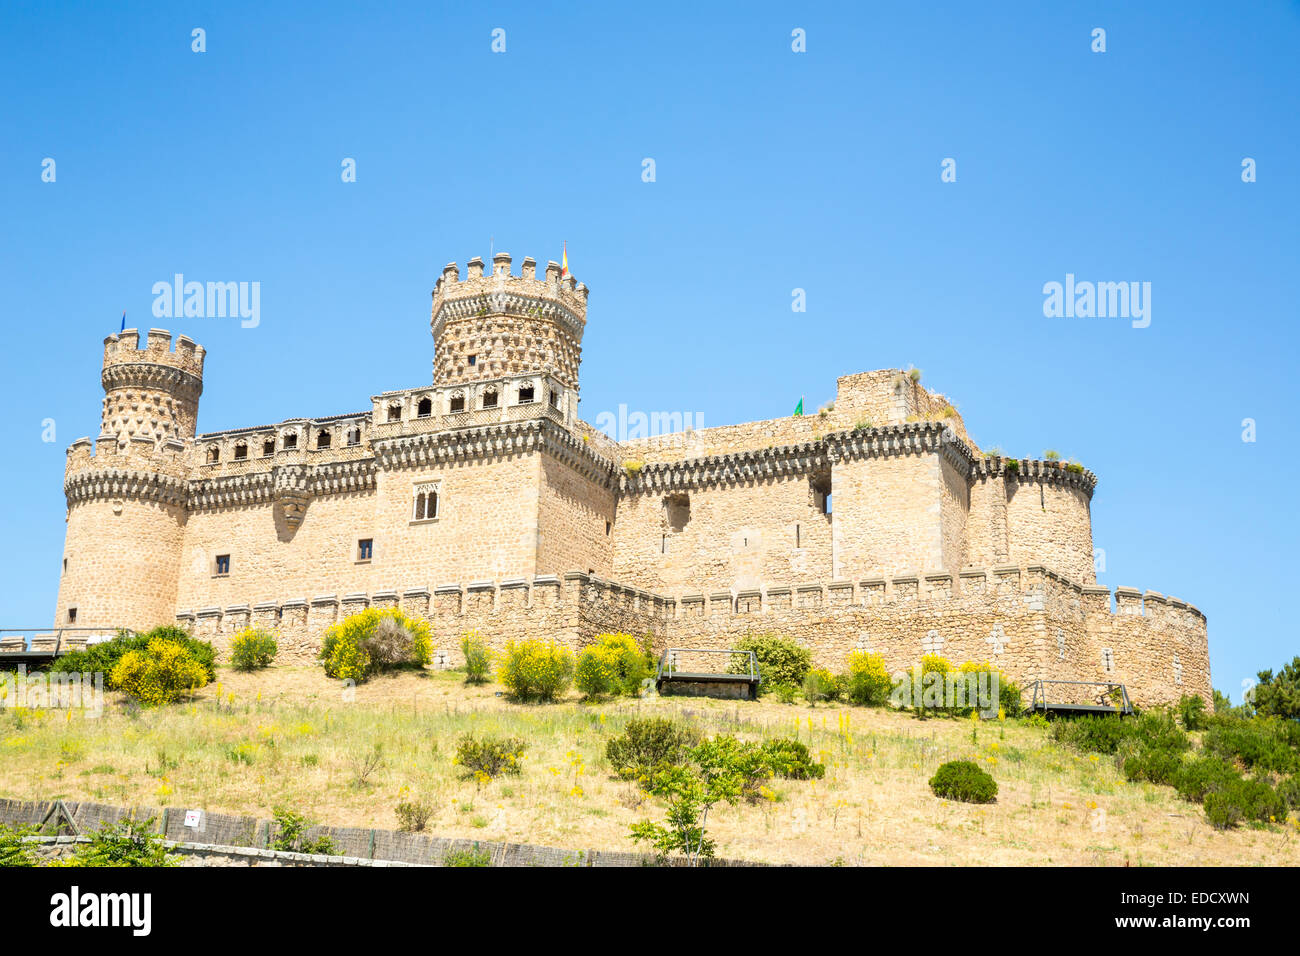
775,170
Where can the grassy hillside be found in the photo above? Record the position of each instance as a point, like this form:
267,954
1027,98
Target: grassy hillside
288,737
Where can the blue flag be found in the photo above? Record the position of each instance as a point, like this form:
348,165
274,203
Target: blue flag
123,328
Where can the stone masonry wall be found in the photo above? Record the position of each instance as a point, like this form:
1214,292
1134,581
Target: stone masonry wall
1031,622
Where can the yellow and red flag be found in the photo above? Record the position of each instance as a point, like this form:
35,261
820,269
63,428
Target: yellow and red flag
564,261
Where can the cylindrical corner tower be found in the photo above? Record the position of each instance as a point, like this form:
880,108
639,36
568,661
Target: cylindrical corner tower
127,493
489,326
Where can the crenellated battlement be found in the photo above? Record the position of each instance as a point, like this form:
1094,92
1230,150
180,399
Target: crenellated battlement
152,391
124,348
493,323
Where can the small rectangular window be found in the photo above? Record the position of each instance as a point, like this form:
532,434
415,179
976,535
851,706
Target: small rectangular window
365,549
72,615
223,565
473,360
458,403
526,395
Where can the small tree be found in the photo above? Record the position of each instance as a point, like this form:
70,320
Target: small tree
690,794
478,658
1279,695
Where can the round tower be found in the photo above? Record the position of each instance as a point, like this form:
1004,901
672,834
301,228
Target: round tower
151,392
127,491
490,325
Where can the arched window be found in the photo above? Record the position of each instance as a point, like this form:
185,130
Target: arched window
241,451
214,455
290,441
425,408
323,438
457,404
425,502
354,436
490,398
268,448
395,412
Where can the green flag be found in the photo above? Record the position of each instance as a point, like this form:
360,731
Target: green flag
798,409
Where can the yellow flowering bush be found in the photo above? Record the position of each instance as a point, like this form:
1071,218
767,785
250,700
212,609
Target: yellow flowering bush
615,664
536,670
868,681
157,675
375,639
1010,703
252,649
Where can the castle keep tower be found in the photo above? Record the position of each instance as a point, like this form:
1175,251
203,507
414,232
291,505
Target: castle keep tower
491,326
152,392
127,492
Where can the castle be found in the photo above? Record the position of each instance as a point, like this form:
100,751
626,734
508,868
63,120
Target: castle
875,523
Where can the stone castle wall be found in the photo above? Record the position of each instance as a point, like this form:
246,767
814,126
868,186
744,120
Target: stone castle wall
1031,622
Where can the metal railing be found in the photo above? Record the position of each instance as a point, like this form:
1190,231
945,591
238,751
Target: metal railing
1115,692
49,641
669,664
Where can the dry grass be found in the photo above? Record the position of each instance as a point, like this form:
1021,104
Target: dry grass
287,736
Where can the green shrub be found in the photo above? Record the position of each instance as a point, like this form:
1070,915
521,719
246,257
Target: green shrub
785,693
615,664
413,815
157,675
1092,733
647,746
487,758
478,658
781,661
252,649
1288,791
13,851
790,759
1157,730
913,687
125,843
1261,743
1243,799
290,834
868,681
1157,766
102,658
963,780
474,857
536,669
375,640
1198,778
820,684
1010,699
1191,711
